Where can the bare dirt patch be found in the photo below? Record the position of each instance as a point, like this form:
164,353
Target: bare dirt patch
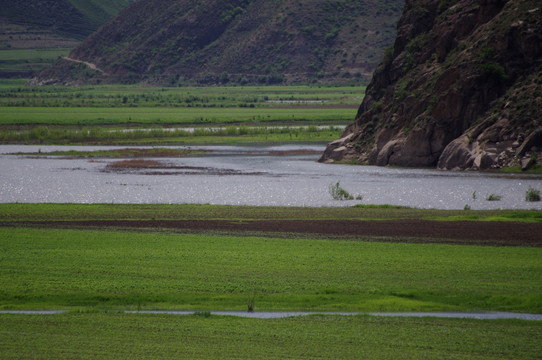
415,231
136,164
142,167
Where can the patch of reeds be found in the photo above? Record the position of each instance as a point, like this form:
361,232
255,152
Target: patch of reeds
532,195
338,193
493,197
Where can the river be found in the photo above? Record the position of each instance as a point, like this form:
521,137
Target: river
287,175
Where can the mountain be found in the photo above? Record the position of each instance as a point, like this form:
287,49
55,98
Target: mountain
238,41
460,89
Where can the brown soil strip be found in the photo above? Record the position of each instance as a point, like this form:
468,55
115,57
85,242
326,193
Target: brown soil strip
141,167
136,164
424,231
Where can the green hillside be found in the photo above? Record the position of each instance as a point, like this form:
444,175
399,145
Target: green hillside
239,41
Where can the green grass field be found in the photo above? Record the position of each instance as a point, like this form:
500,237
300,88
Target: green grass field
169,116
100,273
121,336
60,212
127,270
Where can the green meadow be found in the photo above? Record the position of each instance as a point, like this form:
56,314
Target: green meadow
121,336
19,213
121,269
169,116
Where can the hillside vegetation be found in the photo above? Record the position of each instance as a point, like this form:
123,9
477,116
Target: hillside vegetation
243,41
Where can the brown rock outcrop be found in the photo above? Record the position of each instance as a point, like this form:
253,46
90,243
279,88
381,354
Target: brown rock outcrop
460,89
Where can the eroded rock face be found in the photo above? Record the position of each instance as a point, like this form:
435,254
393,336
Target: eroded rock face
461,89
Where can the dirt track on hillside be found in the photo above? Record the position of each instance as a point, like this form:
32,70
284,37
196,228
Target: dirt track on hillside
423,231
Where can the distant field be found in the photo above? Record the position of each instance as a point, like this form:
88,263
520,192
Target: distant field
92,116
24,61
217,96
86,115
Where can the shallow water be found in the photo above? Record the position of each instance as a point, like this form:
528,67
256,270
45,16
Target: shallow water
250,175
286,314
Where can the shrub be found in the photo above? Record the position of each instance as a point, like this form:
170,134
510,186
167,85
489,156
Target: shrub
442,6
493,197
338,193
532,195
250,302
203,313
493,72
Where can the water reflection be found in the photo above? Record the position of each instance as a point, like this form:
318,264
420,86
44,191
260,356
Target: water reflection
249,175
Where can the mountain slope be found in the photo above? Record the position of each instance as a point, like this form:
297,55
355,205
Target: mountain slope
461,89
72,18
211,41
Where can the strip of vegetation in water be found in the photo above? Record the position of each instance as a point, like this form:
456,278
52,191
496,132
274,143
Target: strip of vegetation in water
74,335
56,268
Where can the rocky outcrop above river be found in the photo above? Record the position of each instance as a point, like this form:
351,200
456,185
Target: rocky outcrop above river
460,89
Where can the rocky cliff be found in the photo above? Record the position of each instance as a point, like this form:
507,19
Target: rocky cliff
172,42
460,89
